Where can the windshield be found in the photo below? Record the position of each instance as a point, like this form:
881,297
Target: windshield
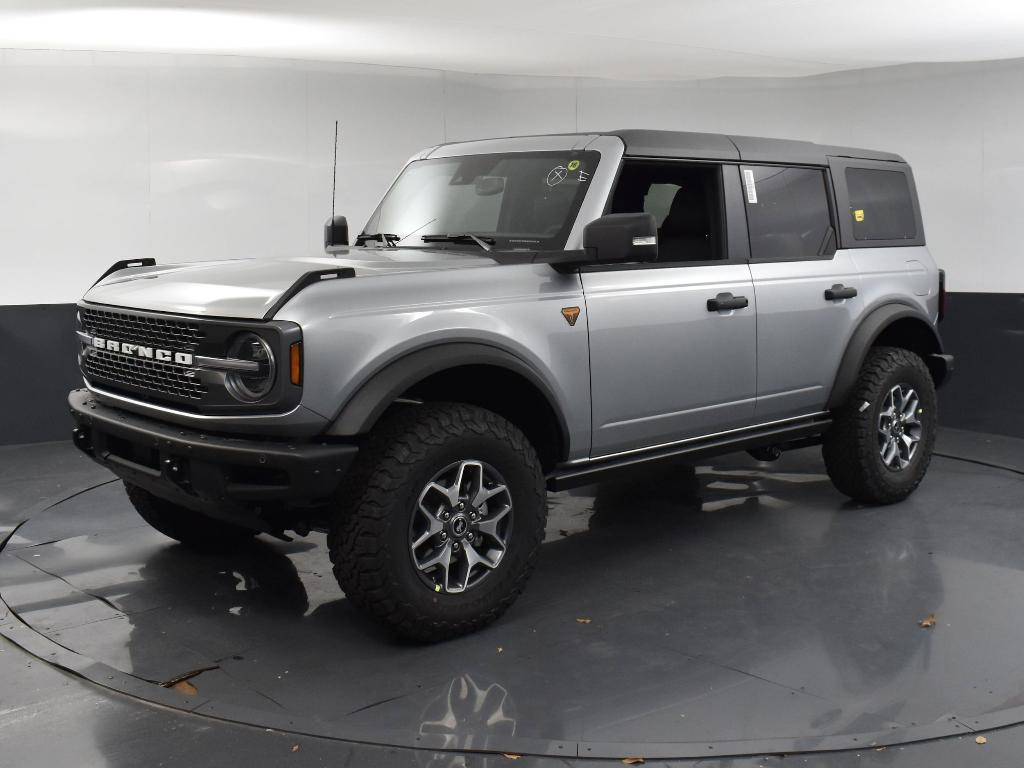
514,200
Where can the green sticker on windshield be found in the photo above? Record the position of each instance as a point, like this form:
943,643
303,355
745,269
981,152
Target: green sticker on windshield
573,165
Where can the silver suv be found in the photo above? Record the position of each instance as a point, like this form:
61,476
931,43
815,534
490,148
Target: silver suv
518,315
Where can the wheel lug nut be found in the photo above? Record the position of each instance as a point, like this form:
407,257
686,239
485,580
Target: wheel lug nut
461,506
444,536
446,516
455,546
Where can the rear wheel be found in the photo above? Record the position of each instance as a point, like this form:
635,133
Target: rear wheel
441,521
880,443
191,528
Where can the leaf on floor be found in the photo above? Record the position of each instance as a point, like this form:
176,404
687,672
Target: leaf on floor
190,690
633,761
295,748
583,620
511,755
928,621
185,687
981,740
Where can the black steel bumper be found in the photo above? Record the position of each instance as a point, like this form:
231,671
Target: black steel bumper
255,482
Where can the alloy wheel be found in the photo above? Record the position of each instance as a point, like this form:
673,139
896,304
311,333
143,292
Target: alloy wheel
899,427
461,525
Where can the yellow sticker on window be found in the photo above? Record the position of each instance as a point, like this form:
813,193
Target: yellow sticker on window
858,215
573,165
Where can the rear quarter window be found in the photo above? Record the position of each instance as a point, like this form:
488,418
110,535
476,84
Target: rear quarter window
881,205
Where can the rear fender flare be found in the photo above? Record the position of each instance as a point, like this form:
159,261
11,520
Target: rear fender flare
870,328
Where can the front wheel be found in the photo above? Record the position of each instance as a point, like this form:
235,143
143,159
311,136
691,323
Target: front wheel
880,443
441,521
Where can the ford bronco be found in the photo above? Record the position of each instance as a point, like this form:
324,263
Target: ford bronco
520,315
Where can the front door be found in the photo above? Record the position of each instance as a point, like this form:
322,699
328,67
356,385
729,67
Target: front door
667,365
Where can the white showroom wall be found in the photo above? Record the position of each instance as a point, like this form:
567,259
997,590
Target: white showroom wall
112,156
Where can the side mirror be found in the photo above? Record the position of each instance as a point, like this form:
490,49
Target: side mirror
335,232
621,237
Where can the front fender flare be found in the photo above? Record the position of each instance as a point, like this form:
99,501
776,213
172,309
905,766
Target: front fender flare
362,410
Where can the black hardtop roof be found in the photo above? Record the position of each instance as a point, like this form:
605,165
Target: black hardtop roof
718,146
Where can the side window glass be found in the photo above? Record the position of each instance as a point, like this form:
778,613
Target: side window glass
787,213
880,205
686,201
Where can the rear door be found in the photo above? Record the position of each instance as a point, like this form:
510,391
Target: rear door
806,290
666,366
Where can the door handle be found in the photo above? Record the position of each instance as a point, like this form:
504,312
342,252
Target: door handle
724,301
839,291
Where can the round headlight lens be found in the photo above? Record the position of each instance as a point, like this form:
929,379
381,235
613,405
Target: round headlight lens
255,385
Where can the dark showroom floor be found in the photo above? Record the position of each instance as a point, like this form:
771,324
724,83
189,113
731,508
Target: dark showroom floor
735,613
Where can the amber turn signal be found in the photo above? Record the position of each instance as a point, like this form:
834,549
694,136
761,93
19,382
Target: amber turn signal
295,363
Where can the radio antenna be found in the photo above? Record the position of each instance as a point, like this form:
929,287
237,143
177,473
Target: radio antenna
334,181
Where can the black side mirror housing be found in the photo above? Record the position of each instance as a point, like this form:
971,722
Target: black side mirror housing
620,238
335,232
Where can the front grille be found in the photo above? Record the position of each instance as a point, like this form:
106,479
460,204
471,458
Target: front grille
142,376
177,382
164,378
179,335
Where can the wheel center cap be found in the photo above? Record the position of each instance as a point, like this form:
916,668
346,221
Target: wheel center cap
460,526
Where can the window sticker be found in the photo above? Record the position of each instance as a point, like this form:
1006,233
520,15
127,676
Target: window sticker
557,175
573,165
748,183
858,215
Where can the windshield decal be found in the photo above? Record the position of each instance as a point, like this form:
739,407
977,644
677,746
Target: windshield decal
557,175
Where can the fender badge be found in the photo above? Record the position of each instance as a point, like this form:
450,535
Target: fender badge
570,314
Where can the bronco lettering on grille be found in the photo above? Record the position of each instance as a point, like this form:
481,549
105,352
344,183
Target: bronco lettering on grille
138,350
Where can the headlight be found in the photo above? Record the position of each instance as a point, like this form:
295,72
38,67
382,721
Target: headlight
254,385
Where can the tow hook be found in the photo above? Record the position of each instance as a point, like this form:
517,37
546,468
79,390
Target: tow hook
80,437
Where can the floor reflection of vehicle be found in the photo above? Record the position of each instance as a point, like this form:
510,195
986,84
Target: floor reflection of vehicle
468,716
802,589
255,584
698,580
870,632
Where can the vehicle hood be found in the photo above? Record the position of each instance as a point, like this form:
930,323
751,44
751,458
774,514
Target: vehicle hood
249,288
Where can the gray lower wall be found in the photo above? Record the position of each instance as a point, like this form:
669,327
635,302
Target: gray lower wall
39,366
986,333
984,330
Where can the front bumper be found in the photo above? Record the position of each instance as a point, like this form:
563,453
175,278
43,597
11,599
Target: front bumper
264,484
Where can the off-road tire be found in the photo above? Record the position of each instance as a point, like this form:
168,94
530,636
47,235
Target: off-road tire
851,447
368,538
191,528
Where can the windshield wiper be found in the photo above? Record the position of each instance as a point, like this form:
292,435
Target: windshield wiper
381,237
468,237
